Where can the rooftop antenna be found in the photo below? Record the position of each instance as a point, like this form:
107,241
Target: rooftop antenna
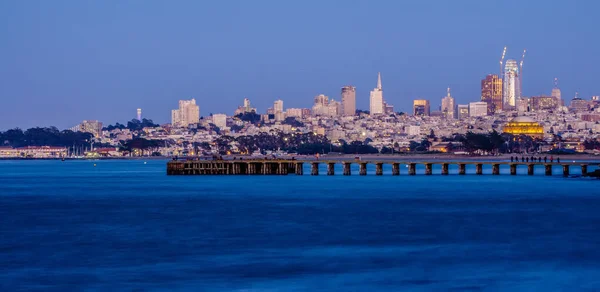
502,61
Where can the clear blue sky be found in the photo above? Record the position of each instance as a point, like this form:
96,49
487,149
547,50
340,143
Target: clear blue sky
65,61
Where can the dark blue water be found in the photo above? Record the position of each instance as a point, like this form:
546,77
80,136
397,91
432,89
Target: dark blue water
125,225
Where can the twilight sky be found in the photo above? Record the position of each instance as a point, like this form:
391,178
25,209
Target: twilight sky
65,61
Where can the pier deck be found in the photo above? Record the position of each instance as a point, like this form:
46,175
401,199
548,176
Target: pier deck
285,167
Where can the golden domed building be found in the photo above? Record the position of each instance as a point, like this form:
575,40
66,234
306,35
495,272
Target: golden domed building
524,126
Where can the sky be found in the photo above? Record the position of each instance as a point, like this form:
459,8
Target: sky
62,62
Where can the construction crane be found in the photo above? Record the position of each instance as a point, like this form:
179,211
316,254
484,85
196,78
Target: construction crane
521,72
502,61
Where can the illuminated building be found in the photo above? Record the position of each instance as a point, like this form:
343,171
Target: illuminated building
448,106
579,104
523,104
539,103
348,100
524,126
511,91
491,93
278,110
92,127
421,107
139,114
478,109
463,111
188,113
376,98
556,93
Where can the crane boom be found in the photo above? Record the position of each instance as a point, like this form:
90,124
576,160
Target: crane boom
502,61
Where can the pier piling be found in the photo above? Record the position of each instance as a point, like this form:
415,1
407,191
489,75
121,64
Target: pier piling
479,168
378,168
495,169
530,169
363,168
584,169
428,168
412,169
513,169
330,168
565,170
445,169
347,166
462,169
314,168
548,169
395,168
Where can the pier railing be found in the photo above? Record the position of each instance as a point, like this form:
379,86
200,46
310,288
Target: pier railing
285,167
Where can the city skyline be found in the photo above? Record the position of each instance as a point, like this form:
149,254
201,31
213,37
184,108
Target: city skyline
80,77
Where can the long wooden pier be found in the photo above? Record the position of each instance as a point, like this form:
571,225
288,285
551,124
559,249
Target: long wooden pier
285,167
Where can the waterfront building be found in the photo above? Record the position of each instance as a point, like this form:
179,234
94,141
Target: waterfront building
187,113
524,126
463,111
421,107
542,102
220,120
376,98
448,106
348,101
491,93
512,87
33,152
478,109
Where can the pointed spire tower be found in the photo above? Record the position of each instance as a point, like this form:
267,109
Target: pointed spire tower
376,98
379,80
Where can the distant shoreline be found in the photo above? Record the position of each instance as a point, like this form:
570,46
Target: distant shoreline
345,157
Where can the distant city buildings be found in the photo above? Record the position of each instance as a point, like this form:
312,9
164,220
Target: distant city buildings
543,103
89,126
491,93
448,106
421,107
579,104
220,120
187,113
376,98
463,111
294,113
245,108
348,101
478,109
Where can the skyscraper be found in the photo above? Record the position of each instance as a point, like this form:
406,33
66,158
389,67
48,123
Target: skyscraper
556,93
448,106
188,113
376,98
491,93
139,114
321,105
421,107
512,87
348,100
463,111
278,110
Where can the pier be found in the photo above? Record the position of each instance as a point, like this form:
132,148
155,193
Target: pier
286,167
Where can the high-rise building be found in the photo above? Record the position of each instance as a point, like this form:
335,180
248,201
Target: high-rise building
348,100
376,98
321,105
246,108
188,113
421,107
220,120
463,111
448,106
523,104
579,104
478,109
139,114
388,109
491,93
89,126
278,110
512,87
294,113
541,103
556,93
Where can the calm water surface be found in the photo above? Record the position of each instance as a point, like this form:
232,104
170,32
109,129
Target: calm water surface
125,225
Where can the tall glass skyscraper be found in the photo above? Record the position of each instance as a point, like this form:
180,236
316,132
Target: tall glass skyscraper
512,87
